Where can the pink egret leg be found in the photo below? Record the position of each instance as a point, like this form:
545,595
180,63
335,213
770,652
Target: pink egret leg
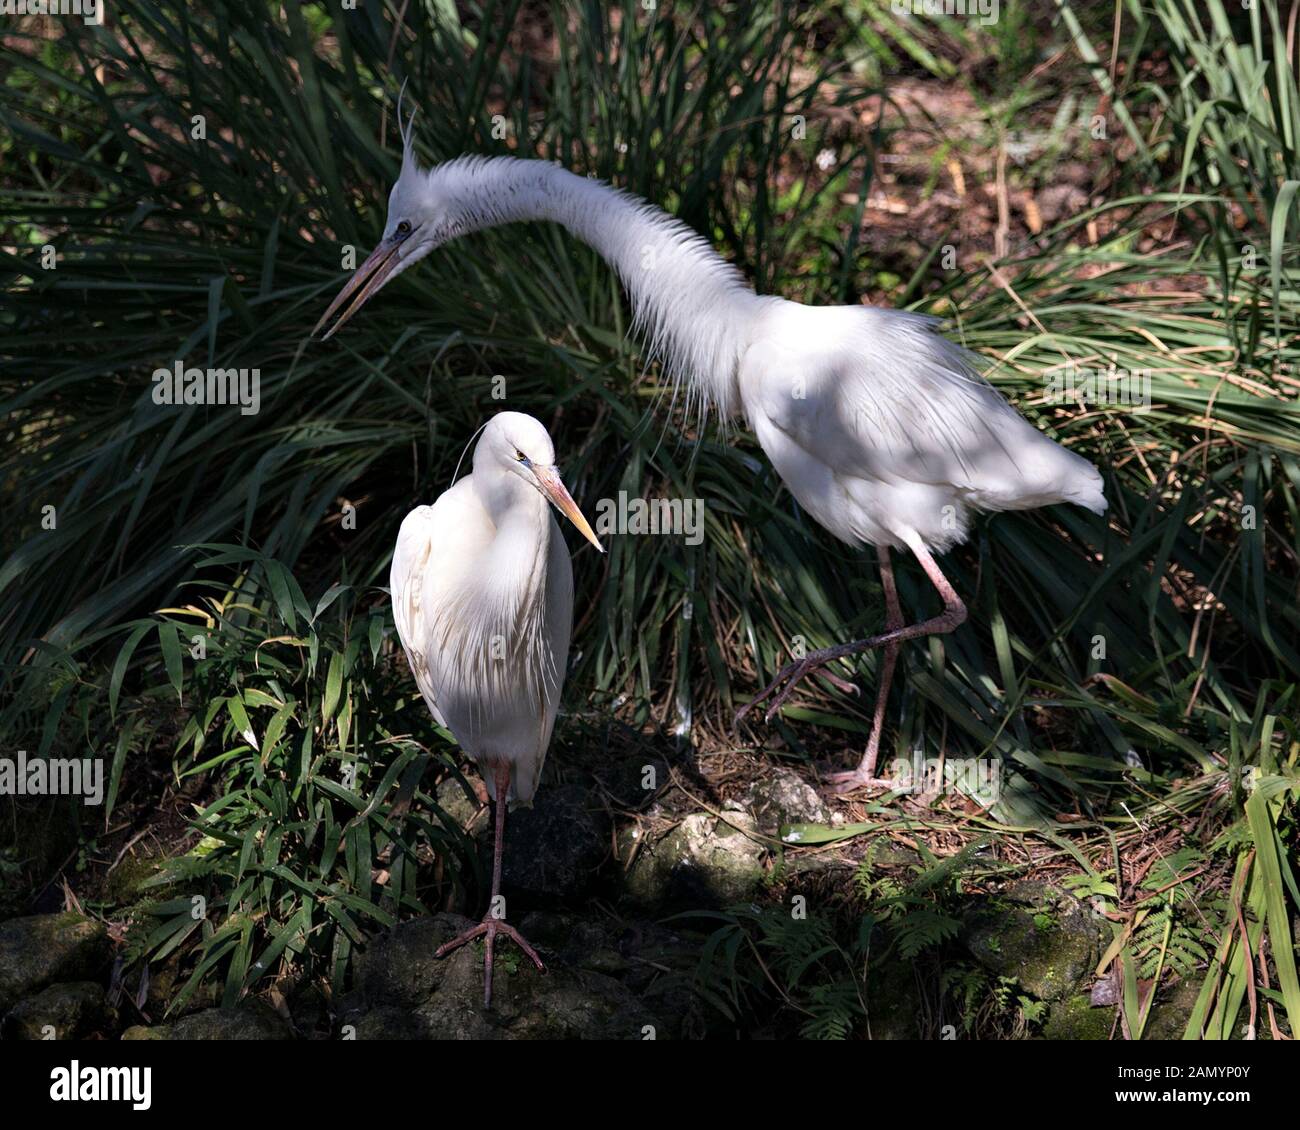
864,775
953,615
491,926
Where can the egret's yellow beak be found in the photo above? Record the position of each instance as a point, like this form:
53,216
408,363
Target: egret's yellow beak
548,478
368,280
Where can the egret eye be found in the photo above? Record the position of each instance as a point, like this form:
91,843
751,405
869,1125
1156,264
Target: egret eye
404,228
520,456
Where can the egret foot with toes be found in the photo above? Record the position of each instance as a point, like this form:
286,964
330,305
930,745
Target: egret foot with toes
791,675
486,567
491,925
488,929
852,780
894,437
952,616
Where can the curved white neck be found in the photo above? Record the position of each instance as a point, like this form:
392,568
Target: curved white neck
521,518
695,309
507,608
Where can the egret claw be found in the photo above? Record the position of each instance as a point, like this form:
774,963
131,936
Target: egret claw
490,927
851,781
791,675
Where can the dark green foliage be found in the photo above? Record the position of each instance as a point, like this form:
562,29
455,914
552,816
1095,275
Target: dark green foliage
1104,660
818,961
288,707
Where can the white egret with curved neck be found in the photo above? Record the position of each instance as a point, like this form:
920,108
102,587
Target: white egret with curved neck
882,430
482,591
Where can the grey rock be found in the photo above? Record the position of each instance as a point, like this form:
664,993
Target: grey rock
404,992
576,941
61,1012
380,1022
555,849
248,1020
36,951
704,860
398,968
641,954
783,797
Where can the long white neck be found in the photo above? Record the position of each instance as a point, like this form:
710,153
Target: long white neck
516,565
695,309
500,617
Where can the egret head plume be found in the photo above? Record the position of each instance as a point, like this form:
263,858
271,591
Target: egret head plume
419,220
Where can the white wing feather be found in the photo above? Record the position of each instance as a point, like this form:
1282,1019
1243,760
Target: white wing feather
424,570
877,424
489,659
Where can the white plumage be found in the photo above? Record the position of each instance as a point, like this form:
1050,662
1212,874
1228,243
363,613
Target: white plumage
885,434
883,430
482,590
484,606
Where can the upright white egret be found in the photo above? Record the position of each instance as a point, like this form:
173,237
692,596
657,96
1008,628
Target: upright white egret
882,429
483,600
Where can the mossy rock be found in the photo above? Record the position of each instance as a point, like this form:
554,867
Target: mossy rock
635,952
144,1032
126,883
554,849
1172,1010
248,1020
1049,945
47,948
405,992
894,1003
705,860
1075,1018
562,1004
60,1012
397,969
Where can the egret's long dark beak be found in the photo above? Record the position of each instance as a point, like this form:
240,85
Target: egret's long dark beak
548,478
368,280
